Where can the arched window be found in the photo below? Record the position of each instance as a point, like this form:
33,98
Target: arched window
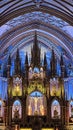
36,104
1,109
36,70
16,110
71,109
55,109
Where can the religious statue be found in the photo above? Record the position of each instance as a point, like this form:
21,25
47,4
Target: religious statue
54,90
42,109
55,112
71,111
0,110
16,112
29,110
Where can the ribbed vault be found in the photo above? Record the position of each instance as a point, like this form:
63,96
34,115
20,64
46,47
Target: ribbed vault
47,35
51,20
59,8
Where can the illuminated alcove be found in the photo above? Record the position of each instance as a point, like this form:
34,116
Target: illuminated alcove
16,110
55,109
71,108
17,87
1,108
36,104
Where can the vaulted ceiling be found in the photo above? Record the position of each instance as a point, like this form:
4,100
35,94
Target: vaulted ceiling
51,19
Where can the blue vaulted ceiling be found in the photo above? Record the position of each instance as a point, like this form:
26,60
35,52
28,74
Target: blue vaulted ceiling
51,19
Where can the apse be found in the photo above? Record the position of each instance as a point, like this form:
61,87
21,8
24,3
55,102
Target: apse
36,92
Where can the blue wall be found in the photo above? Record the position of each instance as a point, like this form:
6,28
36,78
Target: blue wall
3,88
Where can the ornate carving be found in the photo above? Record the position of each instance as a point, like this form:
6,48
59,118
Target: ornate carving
38,2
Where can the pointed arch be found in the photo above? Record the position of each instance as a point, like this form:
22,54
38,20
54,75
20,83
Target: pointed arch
16,109
55,109
36,70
